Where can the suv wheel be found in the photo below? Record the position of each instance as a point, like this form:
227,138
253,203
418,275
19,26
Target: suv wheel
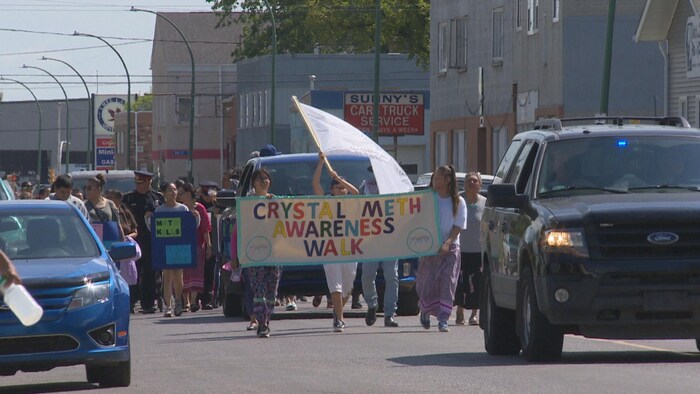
498,324
540,340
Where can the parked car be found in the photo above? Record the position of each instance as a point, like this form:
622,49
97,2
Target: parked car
423,182
291,176
65,267
592,230
122,180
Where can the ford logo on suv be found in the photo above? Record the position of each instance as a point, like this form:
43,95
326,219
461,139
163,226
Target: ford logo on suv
662,238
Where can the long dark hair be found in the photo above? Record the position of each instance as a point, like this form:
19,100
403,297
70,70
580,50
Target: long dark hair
257,173
451,175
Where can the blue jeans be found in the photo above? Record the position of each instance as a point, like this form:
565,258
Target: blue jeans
391,291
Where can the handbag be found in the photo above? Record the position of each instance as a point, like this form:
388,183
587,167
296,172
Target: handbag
127,268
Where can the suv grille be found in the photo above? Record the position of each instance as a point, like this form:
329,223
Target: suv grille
627,241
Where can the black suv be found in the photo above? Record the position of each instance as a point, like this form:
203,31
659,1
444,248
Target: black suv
593,230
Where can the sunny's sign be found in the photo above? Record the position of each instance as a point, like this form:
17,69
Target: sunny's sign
316,230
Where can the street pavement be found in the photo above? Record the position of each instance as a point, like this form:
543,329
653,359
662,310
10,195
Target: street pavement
205,352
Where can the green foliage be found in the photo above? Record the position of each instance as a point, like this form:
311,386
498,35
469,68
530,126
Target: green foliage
143,103
335,26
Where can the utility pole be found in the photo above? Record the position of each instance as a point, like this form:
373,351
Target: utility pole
377,59
607,62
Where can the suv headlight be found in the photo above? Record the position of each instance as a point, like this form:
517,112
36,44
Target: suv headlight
90,295
566,241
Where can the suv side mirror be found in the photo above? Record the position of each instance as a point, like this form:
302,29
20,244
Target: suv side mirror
504,195
226,198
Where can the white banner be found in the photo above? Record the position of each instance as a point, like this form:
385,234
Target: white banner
339,137
320,230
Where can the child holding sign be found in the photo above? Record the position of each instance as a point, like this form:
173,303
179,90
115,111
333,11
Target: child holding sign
171,277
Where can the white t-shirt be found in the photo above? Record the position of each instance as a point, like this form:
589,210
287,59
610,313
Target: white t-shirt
448,219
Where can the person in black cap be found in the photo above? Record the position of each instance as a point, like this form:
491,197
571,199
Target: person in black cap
141,200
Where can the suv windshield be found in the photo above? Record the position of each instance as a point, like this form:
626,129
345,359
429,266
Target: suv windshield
294,179
620,165
27,234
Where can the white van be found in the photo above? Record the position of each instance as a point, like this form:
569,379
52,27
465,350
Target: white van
122,180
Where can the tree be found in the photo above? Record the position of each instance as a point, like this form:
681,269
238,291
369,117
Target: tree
333,26
143,103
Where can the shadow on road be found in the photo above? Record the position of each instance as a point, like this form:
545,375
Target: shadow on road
571,358
49,388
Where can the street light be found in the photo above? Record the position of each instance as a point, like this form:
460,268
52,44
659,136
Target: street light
67,114
38,106
128,97
274,74
190,155
89,123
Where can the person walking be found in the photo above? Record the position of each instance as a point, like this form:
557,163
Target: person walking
62,190
207,197
437,275
101,209
468,285
194,277
141,201
369,275
264,280
339,277
130,229
172,277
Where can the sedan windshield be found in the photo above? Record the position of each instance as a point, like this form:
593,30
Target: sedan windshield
28,234
620,165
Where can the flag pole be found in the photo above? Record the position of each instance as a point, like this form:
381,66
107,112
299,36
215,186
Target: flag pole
311,131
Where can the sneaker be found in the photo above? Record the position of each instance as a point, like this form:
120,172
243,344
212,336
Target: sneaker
390,322
442,326
252,326
194,307
178,309
425,321
371,316
264,331
292,306
338,325
168,313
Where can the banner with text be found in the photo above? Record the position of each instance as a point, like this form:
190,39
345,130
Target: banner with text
321,230
399,113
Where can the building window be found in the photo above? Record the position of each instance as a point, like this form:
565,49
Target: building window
461,43
443,47
555,10
533,22
518,21
497,35
183,109
440,148
683,106
459,151
500,143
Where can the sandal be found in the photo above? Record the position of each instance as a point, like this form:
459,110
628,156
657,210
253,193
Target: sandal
251,327
473,321
317,301
460,322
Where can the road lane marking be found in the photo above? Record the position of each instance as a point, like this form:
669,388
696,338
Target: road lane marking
636,345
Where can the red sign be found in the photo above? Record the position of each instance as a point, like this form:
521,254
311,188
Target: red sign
399,113
104,142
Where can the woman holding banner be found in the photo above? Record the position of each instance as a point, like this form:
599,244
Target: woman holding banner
103,214
340,277
265,280
436,279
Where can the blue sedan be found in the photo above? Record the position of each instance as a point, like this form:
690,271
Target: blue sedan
66,268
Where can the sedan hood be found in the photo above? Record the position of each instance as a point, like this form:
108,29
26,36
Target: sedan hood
62,272
632,207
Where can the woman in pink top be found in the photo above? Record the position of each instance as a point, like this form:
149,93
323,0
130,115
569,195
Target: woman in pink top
193,278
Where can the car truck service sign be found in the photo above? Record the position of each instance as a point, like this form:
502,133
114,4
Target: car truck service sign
400,113
322,230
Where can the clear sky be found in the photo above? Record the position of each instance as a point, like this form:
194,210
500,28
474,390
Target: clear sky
30,29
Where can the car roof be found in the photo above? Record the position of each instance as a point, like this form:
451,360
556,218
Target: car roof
47,205
594,130
300,157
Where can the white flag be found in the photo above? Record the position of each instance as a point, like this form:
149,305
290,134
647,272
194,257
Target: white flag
339,137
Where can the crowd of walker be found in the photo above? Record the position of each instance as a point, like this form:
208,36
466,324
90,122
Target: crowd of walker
449,278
